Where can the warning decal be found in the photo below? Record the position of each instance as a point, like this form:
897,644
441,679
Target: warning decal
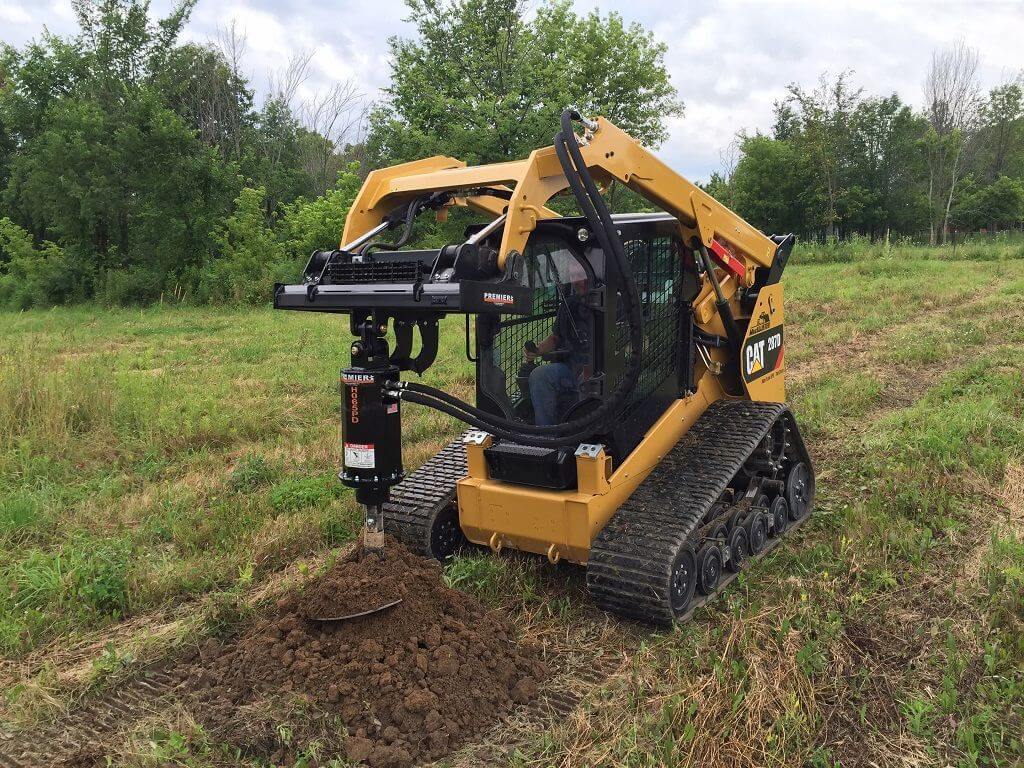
359,456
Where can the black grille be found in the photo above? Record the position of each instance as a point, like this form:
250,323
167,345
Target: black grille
347,273
516,330
657,271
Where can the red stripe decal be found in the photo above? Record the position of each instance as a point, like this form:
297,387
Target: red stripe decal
728,262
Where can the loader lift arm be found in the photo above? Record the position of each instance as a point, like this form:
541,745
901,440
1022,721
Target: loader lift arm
610,154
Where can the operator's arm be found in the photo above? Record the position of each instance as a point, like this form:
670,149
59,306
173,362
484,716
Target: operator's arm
550,344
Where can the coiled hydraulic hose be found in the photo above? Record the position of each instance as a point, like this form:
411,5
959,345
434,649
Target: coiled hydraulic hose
433,200
595,210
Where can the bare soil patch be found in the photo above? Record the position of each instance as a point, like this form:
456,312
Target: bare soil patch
410,683
396,688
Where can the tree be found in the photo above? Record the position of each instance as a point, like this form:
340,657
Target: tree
884,164
837,163
951,105
1002,129
608,68
31,276
121,151
210,96
823,138
101,164
248,254
309,225
334,120
770,185
124,46
481,82
1001,203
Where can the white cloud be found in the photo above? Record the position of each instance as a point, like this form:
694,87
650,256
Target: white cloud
63,11
13,13
730,59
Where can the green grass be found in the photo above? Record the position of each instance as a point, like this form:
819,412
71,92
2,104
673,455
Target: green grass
999,247
171,446
169,461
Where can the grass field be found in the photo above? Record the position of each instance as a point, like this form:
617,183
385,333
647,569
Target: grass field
163,471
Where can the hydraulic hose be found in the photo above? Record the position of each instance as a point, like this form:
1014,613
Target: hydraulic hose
595,210
433,200
498,431
410,217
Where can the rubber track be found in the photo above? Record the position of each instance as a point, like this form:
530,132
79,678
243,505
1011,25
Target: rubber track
415,501
631,558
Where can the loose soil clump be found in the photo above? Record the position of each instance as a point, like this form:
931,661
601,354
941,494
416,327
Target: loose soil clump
410,683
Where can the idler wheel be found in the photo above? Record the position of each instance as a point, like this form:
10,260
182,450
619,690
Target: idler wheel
446,536
683,580
799,491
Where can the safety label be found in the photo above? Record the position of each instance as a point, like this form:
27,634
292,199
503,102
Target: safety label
359,456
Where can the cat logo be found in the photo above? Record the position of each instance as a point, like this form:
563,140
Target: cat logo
755,358
762,354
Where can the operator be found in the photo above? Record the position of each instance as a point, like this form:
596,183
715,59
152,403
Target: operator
569,340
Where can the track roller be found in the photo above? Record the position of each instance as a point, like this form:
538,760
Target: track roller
709,568
778,512
757,531
738,548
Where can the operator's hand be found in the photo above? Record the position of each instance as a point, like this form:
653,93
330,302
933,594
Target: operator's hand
530,351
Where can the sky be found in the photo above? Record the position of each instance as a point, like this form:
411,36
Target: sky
729,59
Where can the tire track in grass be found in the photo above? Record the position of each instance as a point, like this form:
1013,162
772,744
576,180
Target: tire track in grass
82,737
88,720
857,351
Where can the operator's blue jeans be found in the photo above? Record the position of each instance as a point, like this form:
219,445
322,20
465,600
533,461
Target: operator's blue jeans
547,382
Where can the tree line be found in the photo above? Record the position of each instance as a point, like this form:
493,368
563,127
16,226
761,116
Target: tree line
135,167
838,162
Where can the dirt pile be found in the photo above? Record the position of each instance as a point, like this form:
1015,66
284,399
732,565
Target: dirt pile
410,683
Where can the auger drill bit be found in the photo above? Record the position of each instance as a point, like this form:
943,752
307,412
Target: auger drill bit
373,528
373,543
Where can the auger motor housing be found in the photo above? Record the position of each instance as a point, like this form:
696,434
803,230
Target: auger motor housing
371,427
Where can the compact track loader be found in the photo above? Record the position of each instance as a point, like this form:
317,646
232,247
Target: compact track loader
630,369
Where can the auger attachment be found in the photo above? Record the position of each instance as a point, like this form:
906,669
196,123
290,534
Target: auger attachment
371,428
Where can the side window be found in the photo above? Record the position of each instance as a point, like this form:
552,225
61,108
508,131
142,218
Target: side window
550,263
